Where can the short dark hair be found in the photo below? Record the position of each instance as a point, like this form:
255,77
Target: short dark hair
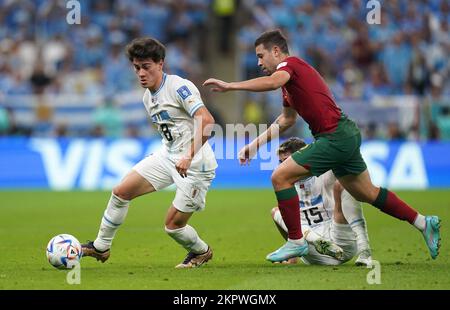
271,38
291,145
146,48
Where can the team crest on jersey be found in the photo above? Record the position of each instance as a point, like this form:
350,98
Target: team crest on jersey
184,92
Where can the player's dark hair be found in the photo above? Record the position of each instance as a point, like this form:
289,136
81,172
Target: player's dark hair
271,38
146,48
291,145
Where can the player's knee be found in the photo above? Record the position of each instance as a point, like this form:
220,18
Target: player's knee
175,223
273,212
120,192
277,180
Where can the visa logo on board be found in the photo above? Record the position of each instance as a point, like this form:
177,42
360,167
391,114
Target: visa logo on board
101,164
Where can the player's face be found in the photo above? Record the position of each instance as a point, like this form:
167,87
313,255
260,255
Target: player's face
266,59
148,72
283,156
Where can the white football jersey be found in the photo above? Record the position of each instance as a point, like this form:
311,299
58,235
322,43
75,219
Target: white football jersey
316,199
171,109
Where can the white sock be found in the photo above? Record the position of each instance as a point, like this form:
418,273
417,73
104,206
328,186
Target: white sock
311,236
362,239
420,222
279,220
114,215
188,238
353,213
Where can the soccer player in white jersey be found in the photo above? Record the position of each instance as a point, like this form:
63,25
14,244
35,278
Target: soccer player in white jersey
185,158
330,216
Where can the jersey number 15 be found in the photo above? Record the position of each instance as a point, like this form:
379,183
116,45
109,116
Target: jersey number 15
314,215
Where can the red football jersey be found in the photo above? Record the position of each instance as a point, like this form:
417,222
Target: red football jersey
309,95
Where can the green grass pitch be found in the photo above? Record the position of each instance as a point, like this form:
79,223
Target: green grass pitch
236,224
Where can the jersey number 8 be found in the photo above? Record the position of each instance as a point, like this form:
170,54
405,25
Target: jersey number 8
166,132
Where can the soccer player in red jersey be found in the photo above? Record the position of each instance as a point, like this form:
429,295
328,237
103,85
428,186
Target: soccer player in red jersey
336,146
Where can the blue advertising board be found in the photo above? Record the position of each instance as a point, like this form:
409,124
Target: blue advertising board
92,164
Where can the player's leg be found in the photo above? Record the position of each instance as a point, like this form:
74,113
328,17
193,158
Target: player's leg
178,229
322,245
348,210
279,223
132,186
190,197
342,235
282,229
146,176
338,215
310,160
316,255
283,180
360,186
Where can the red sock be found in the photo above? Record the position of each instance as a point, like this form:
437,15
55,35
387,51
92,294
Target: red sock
288,203
389,203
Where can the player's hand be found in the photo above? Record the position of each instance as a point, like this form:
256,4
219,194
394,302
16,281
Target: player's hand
246,154
218,85
183,165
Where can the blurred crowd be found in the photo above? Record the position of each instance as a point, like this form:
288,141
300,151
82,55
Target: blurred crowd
42,54
406,54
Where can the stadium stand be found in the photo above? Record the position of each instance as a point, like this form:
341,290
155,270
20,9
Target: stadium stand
58,79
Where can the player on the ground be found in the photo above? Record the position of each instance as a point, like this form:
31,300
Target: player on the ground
329,215
185,158
336,146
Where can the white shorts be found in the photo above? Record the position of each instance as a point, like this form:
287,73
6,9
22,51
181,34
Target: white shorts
159,169
342,235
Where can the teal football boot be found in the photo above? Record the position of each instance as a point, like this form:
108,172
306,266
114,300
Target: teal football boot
432,235
288,250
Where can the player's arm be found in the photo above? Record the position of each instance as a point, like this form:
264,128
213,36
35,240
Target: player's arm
286,120
203,122
266,83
